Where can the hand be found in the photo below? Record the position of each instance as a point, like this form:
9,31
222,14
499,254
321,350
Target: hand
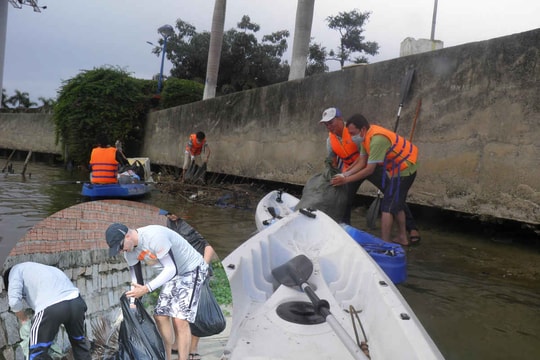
192,157
137,290
338,180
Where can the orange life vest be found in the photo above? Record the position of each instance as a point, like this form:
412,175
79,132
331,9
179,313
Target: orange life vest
399,152
196,146
104,165
346,149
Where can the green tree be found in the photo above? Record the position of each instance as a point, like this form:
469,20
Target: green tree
350,26
4,98
245,62
47,104
21,100
104,100
316,60
179,92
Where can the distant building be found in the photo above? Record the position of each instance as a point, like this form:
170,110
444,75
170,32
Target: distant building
411,46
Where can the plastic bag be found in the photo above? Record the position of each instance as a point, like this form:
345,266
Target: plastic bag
209,320
319,194
139,337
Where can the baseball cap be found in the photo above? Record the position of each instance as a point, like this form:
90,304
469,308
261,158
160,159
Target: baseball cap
330,114
115,235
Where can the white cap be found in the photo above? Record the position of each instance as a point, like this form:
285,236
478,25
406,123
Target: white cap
330,114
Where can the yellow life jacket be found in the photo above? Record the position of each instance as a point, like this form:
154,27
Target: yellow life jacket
104,165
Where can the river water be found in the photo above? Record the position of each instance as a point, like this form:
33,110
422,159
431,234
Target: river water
475,288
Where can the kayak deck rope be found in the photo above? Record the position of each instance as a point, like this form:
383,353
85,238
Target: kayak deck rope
354,319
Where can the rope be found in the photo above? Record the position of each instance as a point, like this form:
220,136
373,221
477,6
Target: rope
362,344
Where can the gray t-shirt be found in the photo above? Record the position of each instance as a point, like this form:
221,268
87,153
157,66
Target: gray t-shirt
39,285
155,241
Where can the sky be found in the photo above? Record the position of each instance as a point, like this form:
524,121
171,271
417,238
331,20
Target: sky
43,49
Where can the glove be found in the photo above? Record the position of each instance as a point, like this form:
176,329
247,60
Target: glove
192,157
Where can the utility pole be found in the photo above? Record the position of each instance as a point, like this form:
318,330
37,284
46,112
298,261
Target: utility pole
434,21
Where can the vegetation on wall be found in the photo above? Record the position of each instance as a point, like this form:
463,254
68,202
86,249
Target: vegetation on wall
103,101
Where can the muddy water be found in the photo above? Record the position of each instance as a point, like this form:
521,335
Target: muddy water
476,289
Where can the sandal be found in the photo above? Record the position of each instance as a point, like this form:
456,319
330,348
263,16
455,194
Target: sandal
194,356
415,240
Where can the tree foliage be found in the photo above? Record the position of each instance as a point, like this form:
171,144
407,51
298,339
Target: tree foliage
104,101
245,62
350,26
21,100
178,92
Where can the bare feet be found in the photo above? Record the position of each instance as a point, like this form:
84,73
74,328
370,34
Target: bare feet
400,241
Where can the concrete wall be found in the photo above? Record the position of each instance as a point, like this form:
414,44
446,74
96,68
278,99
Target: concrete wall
74,241
477,130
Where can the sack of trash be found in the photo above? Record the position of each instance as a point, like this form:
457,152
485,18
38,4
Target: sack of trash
209,320
138,337
319,194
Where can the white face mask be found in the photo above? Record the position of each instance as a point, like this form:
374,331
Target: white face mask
357,138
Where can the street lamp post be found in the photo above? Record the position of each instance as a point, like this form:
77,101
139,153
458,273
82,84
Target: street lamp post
165,31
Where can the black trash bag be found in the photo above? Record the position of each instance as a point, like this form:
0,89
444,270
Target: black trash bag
199,175
209,320
319,194
138,337
191,171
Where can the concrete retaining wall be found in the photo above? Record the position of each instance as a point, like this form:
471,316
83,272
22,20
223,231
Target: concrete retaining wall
477,130
74,241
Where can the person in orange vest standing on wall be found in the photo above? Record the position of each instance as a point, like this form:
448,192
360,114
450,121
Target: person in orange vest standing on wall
197,152
103,163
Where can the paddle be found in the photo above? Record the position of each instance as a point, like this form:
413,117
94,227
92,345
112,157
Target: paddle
405,87
296,272
375,207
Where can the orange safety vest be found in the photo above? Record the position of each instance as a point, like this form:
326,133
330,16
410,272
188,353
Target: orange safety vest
345,149
196,147
399,152
104,165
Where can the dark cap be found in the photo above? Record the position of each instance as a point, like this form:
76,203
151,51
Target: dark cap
115,235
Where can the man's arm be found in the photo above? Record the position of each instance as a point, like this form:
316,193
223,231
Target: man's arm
168,272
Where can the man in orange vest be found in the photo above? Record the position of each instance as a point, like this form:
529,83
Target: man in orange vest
104,161
195,149
382,149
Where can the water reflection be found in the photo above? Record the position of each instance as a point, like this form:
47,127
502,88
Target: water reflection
477,299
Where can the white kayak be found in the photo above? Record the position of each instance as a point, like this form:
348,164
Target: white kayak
391,257
307,258
274,206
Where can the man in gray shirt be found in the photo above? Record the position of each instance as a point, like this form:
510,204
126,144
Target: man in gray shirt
183,271
55,301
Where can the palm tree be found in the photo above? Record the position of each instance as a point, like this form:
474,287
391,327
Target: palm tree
302,35
21,100
214,51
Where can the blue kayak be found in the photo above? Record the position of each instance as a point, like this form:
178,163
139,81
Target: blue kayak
389,256
115,191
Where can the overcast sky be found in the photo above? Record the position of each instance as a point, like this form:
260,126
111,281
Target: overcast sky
43,49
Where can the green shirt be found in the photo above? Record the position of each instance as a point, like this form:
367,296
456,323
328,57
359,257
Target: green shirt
378,147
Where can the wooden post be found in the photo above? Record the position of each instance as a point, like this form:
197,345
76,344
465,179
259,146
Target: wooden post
26,162
8,160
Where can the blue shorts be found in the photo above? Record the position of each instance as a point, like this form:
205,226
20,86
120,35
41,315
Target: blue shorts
395,193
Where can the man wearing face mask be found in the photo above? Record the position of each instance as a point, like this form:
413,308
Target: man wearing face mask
389,162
